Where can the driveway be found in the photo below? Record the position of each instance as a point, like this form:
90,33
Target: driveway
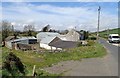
106,66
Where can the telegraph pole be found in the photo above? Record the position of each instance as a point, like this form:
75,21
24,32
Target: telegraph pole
98,22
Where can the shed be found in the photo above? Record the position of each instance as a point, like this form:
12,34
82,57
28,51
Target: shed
22,40
63,44
43,35
44,38
10,38
45,41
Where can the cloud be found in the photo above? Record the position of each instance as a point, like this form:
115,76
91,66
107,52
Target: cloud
58,17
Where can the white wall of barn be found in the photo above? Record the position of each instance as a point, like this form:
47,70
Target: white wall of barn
8,44
46,46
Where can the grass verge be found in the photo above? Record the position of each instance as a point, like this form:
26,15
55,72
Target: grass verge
48,59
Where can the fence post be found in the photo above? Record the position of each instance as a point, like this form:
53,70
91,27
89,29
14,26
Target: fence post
33,70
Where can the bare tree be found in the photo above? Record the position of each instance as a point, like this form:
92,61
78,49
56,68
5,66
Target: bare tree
6,29
29,29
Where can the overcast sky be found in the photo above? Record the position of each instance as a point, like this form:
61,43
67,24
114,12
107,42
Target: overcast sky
61,15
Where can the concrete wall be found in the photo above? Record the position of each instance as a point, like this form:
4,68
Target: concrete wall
46,46
8,44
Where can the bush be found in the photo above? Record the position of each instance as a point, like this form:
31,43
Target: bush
13,65
90,42
79,44
92,38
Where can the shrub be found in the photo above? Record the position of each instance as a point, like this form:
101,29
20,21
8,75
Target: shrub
13,65
90,42
79,44
92,38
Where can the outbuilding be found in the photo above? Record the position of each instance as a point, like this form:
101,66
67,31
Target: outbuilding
53,41
23,40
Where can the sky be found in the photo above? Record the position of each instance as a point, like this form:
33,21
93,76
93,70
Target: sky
61,15
60,0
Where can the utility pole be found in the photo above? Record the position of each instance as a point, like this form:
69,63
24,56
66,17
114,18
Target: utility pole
98,22
75,34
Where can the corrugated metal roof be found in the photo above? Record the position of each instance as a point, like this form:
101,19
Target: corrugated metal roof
46,37
47,40
48,33
28,38
22,38
44,34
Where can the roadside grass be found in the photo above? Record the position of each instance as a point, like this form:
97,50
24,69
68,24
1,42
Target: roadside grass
48,59
0,61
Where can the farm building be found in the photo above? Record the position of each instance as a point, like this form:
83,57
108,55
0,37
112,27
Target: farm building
23,40
45,38
63,44
72,35
42,35
10,38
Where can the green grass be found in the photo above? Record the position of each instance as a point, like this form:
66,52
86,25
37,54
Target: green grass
47,59
104,34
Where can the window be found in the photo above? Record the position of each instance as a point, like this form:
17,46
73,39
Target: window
115,37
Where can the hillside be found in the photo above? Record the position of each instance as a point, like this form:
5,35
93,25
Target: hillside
105,33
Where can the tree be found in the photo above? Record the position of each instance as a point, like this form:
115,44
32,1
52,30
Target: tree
6,29
84,34
13,66
46,28
29,29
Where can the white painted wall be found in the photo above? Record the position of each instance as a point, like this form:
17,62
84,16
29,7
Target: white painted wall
46,46
8,44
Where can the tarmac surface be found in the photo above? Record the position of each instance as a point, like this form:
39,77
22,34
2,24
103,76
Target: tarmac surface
106,66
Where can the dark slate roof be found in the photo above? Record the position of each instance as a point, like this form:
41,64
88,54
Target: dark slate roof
63,44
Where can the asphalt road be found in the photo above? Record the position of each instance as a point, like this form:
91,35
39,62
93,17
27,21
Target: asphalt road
112,49
113,54
106,66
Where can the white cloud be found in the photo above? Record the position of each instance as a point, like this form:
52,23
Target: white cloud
58,17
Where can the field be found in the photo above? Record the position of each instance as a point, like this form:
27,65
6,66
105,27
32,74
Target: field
42,60
105,33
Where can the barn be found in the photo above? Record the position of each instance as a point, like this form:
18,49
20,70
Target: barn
45,38
72,35
23,40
